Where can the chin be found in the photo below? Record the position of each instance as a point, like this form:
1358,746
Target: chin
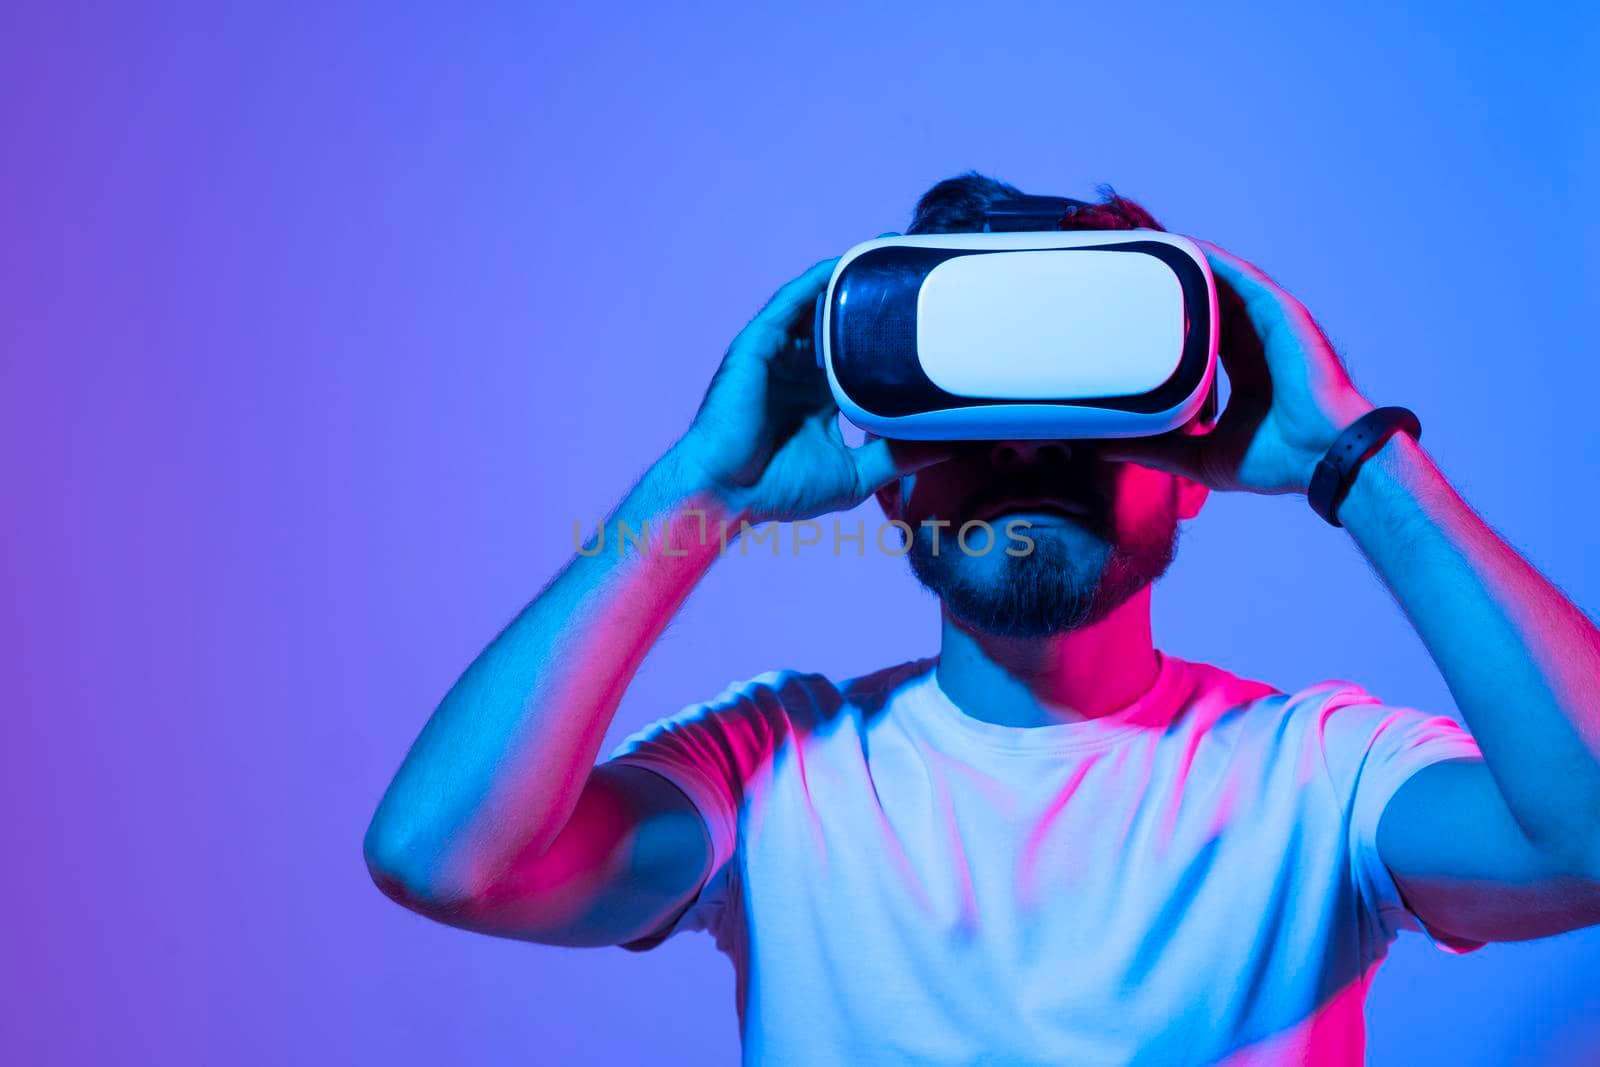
1054,588
1071,578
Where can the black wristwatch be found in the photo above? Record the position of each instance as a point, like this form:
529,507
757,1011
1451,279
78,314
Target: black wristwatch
1336,472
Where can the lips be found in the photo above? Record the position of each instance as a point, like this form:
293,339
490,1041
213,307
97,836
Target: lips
1044,505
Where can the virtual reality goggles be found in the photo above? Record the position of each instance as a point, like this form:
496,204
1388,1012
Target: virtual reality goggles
1021,332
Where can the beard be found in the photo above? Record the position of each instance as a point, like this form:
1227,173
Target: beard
1073,577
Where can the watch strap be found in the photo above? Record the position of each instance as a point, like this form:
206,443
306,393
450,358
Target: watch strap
1336,472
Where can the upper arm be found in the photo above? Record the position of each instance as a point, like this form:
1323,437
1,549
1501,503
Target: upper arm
634,853
1464,866
652,828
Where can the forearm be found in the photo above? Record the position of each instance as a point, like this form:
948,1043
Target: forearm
499,767
1522,662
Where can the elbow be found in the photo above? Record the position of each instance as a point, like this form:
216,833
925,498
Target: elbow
418,877
408,872
384,851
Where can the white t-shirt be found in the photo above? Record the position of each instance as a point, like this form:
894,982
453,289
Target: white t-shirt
1191,880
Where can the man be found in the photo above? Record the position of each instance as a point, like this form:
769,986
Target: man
1051,843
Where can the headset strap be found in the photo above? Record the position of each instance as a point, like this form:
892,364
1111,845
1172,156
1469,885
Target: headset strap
1022,213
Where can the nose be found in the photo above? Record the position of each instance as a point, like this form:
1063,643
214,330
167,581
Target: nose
1008,454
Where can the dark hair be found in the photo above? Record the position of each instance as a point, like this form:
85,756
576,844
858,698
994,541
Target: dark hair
957,205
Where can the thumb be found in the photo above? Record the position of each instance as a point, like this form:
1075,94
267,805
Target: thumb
880,460
1174,453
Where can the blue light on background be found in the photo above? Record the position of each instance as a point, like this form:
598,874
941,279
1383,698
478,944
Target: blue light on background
324,324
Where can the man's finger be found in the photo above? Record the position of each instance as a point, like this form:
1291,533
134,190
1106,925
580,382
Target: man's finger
1247,279
1266,304
880,460
1174,453
794,295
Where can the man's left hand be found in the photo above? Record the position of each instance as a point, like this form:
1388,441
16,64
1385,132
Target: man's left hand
1290,394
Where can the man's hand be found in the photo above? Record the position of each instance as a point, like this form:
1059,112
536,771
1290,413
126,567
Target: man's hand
1290,399
766,439
1499,850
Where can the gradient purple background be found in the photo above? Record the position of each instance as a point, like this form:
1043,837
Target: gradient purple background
323,324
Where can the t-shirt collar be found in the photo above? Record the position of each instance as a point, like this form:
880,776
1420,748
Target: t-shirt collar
926,702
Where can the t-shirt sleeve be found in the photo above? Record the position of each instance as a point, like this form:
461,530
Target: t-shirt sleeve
1370,750
712,752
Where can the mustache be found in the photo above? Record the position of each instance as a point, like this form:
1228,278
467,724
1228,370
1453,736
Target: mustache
1071,483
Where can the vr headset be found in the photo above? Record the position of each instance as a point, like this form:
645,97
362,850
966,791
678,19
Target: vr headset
1021,331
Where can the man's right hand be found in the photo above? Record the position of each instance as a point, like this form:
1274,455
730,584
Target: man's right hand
766,440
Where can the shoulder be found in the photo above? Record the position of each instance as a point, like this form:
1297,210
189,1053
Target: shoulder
1327,711
809,698
868,694
1341,728
1265,703
1346,719
769,708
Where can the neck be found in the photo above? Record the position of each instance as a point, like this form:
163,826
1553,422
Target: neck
1069,677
